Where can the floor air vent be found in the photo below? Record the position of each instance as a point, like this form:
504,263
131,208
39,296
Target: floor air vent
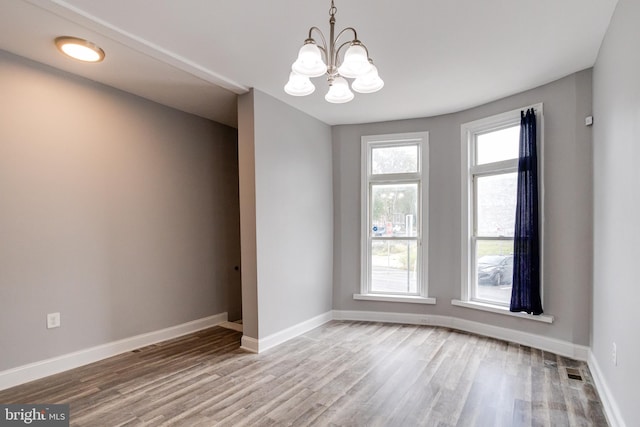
574,374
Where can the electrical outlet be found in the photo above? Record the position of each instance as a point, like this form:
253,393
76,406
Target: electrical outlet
614,354
53,320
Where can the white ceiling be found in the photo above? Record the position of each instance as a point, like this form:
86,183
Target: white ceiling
436,56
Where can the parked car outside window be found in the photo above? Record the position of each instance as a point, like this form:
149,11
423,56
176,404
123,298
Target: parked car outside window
495,270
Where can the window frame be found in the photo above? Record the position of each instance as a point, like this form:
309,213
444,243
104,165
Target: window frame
368,180
471,170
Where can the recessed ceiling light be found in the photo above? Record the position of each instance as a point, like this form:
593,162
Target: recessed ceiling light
80,49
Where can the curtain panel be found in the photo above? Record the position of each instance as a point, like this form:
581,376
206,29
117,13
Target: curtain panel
525,293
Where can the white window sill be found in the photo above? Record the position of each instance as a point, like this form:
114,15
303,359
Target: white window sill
394,298
501,310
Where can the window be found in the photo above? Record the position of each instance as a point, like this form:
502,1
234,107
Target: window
394,196
490,165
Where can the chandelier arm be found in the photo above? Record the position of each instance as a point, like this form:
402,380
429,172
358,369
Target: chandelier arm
338,52
324,47
353,30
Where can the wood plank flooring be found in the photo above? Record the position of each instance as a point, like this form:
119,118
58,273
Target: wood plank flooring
341,374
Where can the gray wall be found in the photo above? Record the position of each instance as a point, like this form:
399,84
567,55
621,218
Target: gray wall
293,212
117,212
247,187
568,198
616,102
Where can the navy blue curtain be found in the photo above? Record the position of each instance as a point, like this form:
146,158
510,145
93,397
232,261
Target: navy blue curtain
525,293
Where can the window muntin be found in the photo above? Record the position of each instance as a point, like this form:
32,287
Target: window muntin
393,213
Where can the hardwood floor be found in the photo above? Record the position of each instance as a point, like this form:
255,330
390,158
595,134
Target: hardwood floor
341,374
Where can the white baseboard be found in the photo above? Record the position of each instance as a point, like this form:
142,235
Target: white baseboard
611,410
44,368
232,325
560,347
249,344
262,344
293,331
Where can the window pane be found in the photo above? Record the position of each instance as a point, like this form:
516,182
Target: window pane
393,266
394,210
497,146
398,159
496,204
494,270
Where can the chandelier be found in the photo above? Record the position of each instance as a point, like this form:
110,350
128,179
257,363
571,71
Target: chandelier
315,61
